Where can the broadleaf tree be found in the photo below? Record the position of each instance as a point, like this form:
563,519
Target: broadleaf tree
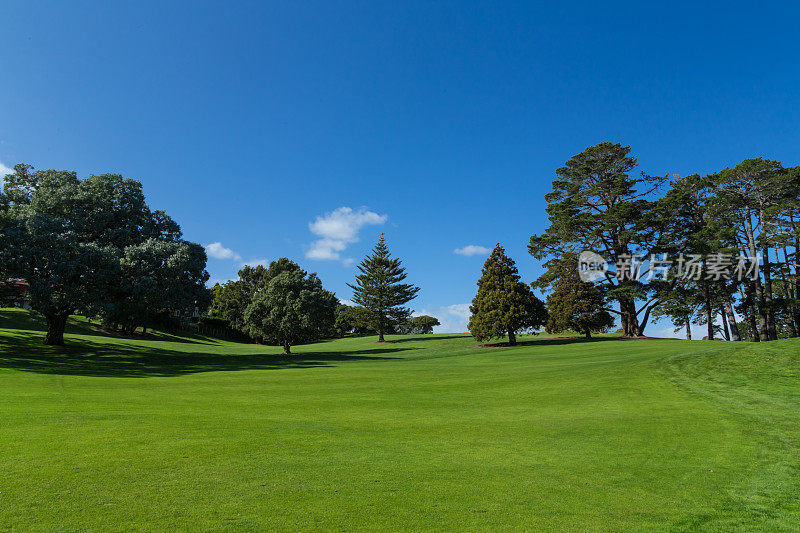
67,236
292,309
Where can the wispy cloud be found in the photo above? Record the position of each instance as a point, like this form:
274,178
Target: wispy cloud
472,249
217,251
5,170
337,229
255,262
452,318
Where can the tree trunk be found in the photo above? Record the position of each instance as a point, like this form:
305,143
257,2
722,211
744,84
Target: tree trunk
56,323
588,333
731,317
630,325
709,312
287,349
512,339
757,289
772,330
688,329
725,329
645,319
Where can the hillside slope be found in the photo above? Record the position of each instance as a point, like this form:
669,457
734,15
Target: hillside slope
424,432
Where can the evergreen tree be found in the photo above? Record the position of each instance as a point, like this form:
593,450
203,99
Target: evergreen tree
504,305
380,290
575,304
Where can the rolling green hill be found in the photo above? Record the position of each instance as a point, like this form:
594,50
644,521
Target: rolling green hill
424,432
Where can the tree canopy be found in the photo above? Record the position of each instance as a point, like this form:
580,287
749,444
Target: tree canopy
379,288
504,305
293,308
74,241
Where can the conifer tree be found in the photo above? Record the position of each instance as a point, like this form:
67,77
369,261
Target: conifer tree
575,304
380,290
504,305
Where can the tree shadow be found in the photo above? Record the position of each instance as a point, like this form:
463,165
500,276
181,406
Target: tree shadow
25,352
549,342
422,337
18,319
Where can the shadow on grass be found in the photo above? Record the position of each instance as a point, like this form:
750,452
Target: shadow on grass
32,321
549,342
24,351
428,338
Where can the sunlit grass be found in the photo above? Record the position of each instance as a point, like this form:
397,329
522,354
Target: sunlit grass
424,432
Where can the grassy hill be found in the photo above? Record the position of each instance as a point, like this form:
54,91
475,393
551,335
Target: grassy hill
425,432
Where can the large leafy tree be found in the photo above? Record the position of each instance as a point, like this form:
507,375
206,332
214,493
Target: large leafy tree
231,299
293,308
67,238
597,204
504,305
379,288
575,304
159,276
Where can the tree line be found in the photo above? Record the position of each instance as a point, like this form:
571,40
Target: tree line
737,229
94,246
285,305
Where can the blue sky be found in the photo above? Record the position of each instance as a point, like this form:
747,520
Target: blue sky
304,129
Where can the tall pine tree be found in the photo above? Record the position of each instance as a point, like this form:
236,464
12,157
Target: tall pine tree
504,305
380,290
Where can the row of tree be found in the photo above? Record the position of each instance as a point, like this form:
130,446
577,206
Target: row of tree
283,304
94,246
749,211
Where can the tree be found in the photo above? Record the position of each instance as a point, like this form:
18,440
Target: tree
231,299
575,304
67,238
292,309
597,205
159,277
504,305
423,324
751,198
380,290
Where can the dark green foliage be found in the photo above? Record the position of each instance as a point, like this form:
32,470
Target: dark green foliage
69,238
596,204
231,299
293,308
576,305
159,275
423,324
380,290
504,305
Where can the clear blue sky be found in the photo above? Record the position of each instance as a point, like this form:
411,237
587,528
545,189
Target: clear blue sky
444,121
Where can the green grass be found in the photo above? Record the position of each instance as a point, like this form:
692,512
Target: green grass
423,433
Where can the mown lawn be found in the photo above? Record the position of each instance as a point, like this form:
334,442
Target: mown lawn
421,433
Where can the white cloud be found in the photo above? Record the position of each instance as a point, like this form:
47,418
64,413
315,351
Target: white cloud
217,251
347,302
256,262
5,170
337,229
453,318
472,249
